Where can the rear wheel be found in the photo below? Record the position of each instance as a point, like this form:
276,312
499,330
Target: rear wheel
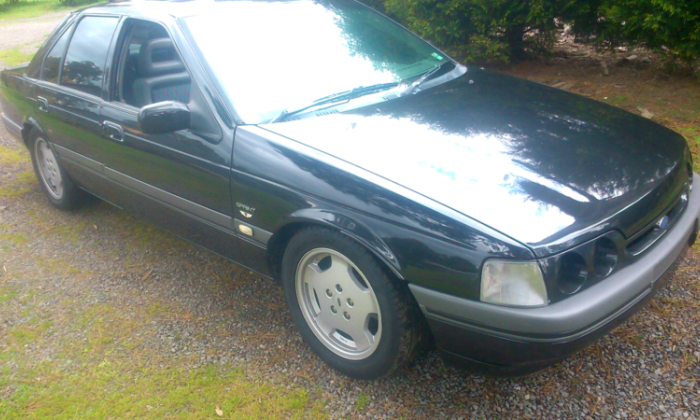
58,187
348,310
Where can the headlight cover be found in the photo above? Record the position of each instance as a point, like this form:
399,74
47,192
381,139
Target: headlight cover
513,283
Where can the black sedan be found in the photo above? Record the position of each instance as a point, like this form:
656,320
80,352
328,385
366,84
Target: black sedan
400,197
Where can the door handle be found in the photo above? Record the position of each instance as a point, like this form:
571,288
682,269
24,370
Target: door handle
43,104
114,130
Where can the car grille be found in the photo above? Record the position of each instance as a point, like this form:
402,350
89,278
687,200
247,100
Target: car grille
591,262
641,241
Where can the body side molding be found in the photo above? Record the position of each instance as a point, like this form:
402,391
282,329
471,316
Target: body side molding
198,210
79,159
214,217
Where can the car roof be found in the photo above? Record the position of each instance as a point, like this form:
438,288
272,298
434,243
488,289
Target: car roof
154,9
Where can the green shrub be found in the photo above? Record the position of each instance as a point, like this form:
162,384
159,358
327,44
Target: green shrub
499,30
479,29
667,26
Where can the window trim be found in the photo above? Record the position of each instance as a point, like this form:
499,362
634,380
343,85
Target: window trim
116,91
118,47
47,45
221,103
110,50
71,27
121,42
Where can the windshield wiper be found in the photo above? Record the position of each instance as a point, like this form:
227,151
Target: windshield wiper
413,86
336,97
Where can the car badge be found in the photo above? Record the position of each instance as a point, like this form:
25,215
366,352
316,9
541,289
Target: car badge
663,222
246,211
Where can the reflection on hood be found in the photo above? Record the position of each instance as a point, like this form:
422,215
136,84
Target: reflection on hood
530,161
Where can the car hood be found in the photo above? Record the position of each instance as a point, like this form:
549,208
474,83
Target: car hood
543,166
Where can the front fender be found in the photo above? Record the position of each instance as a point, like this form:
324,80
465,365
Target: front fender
351,227
280,186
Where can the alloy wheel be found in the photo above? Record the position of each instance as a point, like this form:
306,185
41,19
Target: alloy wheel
338,304
49,171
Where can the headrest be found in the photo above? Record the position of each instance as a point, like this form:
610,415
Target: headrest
148,67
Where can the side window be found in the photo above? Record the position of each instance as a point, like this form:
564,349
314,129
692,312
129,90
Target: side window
150,68
34,68
84,66
52,62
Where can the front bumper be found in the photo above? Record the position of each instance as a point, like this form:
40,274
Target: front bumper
517,341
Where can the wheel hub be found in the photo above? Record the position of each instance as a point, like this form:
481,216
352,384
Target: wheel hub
48,168
338,304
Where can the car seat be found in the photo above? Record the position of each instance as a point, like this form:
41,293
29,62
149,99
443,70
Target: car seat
162,75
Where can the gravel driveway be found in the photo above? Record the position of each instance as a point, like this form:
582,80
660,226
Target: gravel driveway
203,310
27,34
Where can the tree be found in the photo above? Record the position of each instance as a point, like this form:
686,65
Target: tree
500,30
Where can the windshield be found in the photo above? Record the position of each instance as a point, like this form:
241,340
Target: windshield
270,56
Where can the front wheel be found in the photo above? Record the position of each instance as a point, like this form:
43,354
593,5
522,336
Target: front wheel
348,310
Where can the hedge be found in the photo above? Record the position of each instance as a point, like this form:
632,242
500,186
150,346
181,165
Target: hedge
501,30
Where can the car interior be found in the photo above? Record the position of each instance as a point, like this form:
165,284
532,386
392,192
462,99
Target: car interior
153,70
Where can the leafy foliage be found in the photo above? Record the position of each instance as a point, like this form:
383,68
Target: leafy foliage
670,26
500,30
479,29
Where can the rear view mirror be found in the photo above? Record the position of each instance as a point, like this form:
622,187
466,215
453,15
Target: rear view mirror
164,117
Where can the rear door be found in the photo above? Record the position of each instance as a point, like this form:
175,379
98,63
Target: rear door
179,180
70,92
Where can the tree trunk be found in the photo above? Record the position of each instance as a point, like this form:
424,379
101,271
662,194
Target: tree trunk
514,38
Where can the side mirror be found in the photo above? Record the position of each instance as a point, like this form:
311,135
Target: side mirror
164,117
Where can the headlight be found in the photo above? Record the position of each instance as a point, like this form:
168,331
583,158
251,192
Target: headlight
513,283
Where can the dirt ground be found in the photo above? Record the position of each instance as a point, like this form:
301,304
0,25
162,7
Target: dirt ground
635,80
104,316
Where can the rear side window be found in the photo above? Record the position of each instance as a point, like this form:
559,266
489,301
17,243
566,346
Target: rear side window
52,62
84,66
34,68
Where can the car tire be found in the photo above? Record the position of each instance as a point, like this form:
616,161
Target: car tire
61,191
353,314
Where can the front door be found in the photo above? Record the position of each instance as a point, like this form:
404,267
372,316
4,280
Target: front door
179,180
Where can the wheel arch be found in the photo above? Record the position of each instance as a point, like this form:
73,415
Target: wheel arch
323,218
31,124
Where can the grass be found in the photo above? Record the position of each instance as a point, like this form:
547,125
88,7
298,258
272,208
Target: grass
618,100
29,9
12,191
22,181
109,374
362,401
10,156
7,294
101,390
13,238
19,186
14,57
58,266
143,235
